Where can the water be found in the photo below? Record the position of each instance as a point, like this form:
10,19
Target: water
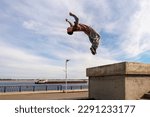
15,83
14,86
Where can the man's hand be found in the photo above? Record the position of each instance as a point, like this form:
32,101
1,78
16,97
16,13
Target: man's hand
69,22
71,14
66,20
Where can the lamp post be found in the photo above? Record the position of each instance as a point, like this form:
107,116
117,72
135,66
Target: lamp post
67,60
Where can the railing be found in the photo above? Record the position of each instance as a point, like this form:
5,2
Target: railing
33,88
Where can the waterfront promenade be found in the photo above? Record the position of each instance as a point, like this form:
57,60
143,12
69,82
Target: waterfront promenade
45,95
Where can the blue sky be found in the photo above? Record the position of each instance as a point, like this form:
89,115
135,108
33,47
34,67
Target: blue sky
34,42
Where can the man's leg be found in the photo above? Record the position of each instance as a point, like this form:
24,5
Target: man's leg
95,44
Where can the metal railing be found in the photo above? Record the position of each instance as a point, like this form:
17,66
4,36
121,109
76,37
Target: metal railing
33,88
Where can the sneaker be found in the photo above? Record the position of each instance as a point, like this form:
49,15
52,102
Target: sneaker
93,51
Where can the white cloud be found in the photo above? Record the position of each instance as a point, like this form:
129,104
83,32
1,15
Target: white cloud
32,25
136,37
17,63
20,63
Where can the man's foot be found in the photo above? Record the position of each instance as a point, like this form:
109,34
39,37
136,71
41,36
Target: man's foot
93,51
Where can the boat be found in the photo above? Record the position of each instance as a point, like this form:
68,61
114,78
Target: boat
41,82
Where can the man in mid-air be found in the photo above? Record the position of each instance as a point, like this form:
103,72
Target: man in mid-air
94,37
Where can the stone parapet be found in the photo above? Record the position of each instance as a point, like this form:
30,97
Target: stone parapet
123,68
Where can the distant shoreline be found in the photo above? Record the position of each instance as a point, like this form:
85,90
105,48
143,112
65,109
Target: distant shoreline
63,82
49,81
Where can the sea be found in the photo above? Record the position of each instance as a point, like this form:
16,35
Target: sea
21,86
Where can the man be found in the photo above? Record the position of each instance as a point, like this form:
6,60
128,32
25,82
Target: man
94,37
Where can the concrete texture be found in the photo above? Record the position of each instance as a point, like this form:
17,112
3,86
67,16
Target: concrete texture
136,86
106,88
107,70
126,80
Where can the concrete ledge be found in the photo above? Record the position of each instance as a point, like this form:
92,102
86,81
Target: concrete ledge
106,70
124,68
137,68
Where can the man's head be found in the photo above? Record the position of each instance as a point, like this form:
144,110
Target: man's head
70,30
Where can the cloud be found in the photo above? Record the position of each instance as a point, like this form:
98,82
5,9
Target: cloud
32,25
136,38
15,61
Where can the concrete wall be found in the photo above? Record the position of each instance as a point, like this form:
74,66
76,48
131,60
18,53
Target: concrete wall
112,87
127,80
136,87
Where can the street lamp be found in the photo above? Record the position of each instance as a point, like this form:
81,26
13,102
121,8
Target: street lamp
67,60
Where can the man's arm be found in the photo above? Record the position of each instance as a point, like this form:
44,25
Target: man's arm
69,22
75,17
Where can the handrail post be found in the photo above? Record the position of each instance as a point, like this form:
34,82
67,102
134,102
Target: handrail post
19,88
33,88
46,87
71,87
81,87
57,87
4,89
